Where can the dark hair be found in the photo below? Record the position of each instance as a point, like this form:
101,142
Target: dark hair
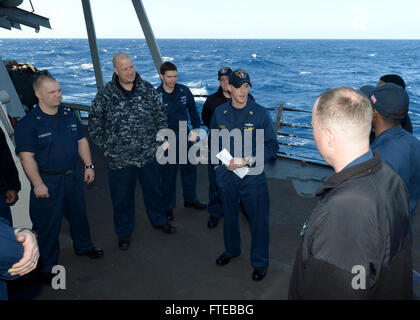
167,66
393,78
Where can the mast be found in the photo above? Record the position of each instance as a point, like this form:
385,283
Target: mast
148,33
93,44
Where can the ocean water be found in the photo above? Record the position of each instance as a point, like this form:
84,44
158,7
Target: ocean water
292,72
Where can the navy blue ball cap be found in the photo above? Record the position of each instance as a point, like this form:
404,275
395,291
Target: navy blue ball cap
367,90
391,101
238,78
226,71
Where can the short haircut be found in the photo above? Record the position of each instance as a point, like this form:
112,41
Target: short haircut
119,55
40,80
167,66
346,109
393,78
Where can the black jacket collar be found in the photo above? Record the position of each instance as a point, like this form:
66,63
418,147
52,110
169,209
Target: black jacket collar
116,83
359,170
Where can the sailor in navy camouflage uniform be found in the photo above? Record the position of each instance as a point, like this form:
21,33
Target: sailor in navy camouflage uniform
49,141
125,119
178,99
244,114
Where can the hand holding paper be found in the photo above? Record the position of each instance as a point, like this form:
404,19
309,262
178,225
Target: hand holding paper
226,158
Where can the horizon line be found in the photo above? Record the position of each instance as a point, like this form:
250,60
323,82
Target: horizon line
111,38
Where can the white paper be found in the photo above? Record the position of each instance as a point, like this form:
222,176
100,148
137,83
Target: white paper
225,157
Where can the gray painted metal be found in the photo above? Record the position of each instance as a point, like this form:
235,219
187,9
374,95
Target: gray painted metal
18,16
4,97
6,124
93,44
6,24
148,33
10,3
14,107
306,177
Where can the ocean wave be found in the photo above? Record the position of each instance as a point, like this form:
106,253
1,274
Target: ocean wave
84,66
193,84
165,59
305,73
198,91
373,55
87,66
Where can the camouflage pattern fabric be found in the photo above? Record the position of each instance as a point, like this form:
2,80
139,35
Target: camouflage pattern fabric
125,127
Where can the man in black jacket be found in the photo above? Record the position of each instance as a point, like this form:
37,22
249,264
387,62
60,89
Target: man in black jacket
355,245
221,96
9,180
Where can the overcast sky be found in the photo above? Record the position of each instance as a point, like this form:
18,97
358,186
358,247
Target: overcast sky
257,19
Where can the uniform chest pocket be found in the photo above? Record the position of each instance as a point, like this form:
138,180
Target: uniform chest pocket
72,130
45,137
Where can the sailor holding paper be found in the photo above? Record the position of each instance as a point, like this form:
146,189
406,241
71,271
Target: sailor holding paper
245,129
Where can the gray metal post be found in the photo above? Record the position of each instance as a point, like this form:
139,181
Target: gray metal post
14,107
92,44
148,33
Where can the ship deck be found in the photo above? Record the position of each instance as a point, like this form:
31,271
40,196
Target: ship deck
180,266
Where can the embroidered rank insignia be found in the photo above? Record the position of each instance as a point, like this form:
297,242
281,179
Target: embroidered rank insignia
251,113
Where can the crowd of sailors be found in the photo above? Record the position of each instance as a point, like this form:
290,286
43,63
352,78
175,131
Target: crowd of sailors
362,220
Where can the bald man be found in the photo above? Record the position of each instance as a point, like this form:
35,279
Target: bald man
125,119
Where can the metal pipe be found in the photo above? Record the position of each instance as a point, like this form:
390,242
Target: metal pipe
148,33
92,44
279,115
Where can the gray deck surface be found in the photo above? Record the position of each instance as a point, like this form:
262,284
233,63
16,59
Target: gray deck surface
180,266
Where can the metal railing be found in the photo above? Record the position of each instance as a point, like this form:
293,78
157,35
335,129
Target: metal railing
279,125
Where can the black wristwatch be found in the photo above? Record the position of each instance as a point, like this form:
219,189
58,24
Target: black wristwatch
90,167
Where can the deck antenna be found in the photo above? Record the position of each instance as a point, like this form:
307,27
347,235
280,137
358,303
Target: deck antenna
33,10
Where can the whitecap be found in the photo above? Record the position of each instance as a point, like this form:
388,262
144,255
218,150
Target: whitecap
254,56
304,73
198,91
87,66
193,84
373,55
167,59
